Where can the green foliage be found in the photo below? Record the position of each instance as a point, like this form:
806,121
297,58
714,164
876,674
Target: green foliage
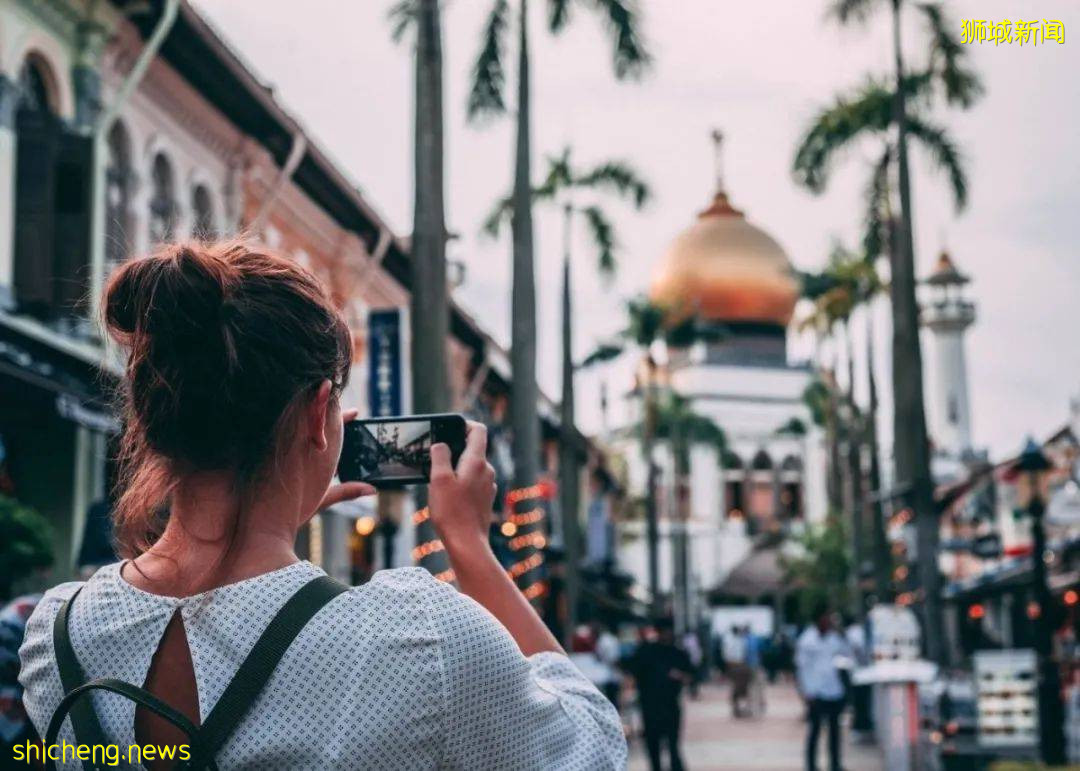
849,280
678,423
25,543
402,16
816,398
621,21
648,323
793,427
563,181
489,72
821,573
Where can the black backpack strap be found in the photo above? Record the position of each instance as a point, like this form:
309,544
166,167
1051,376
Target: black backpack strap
251,677
83,719
139,695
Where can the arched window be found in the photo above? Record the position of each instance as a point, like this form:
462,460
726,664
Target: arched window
734,496
202,210
118,188
34,87
162,201
38,143
761,461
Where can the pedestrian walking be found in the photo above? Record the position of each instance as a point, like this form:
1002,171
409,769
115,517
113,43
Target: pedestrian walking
735,651
692,645
237,360
609,651
660,669
816,654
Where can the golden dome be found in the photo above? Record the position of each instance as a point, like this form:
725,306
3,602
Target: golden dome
726,269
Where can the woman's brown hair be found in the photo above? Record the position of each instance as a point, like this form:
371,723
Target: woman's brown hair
223,341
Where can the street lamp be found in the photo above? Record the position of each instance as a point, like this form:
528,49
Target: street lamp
1035,466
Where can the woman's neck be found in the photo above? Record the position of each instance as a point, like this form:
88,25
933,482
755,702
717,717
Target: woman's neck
212,539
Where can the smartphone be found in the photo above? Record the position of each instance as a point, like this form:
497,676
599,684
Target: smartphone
396,451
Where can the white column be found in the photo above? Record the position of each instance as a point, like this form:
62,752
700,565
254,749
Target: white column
7,190
951,413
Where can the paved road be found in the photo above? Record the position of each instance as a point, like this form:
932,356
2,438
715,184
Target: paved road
714,741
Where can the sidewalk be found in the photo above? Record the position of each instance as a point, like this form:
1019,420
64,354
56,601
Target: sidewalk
714,741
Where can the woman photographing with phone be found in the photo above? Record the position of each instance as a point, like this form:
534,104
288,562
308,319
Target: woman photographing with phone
236,360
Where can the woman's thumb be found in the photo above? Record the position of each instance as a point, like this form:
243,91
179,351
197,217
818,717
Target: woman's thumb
440,462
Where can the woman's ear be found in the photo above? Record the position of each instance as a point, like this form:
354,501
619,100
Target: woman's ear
316,414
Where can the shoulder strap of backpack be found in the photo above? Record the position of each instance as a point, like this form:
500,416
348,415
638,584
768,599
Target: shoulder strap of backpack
77,696
83,719
251,677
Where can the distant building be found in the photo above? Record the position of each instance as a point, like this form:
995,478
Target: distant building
735,275
202,149
947,314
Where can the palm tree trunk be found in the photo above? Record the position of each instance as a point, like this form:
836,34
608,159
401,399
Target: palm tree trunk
524,419
652,534
882,552
855,483
569,452
911,447
680,522
429,304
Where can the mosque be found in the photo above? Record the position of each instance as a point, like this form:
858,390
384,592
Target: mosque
733,273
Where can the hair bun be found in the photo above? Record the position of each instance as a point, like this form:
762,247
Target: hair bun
176,295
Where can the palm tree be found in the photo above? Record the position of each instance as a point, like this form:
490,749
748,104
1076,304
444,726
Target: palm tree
848,282
429,301
945,73
682,428
564,184
486,98
649,325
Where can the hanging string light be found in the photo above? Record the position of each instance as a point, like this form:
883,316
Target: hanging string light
427,548
536,540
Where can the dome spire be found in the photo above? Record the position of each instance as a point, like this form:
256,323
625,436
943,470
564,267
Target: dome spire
718,158
720,206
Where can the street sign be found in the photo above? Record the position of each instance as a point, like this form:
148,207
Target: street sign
1064,508
987,546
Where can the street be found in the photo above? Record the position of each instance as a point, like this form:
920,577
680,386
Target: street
712,740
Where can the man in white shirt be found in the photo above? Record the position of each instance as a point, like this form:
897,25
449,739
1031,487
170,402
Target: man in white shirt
816,654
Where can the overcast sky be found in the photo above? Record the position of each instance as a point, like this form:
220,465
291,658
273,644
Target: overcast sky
760,71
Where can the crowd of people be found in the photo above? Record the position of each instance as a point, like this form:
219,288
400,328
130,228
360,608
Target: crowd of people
646,678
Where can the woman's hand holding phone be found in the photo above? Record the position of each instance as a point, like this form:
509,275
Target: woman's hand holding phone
460,503
460,499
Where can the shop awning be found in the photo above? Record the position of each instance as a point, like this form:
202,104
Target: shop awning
761,573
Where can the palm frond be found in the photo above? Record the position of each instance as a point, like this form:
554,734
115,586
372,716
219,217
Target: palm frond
558,15
489,75
619,177
499,213
835,128
878,227
603,238
962,86
815,284
622,20
846,11
946,156
646,321
402,15
604,352
558,175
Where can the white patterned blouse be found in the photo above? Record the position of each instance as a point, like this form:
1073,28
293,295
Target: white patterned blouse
403,672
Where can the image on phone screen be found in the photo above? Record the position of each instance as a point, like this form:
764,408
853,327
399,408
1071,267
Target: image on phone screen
395,451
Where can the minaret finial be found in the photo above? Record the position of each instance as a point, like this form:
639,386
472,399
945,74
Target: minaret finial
718,149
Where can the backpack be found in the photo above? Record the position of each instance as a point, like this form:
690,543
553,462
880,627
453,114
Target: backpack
204,740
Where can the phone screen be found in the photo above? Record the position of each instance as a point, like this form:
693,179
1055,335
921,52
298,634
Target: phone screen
397,451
